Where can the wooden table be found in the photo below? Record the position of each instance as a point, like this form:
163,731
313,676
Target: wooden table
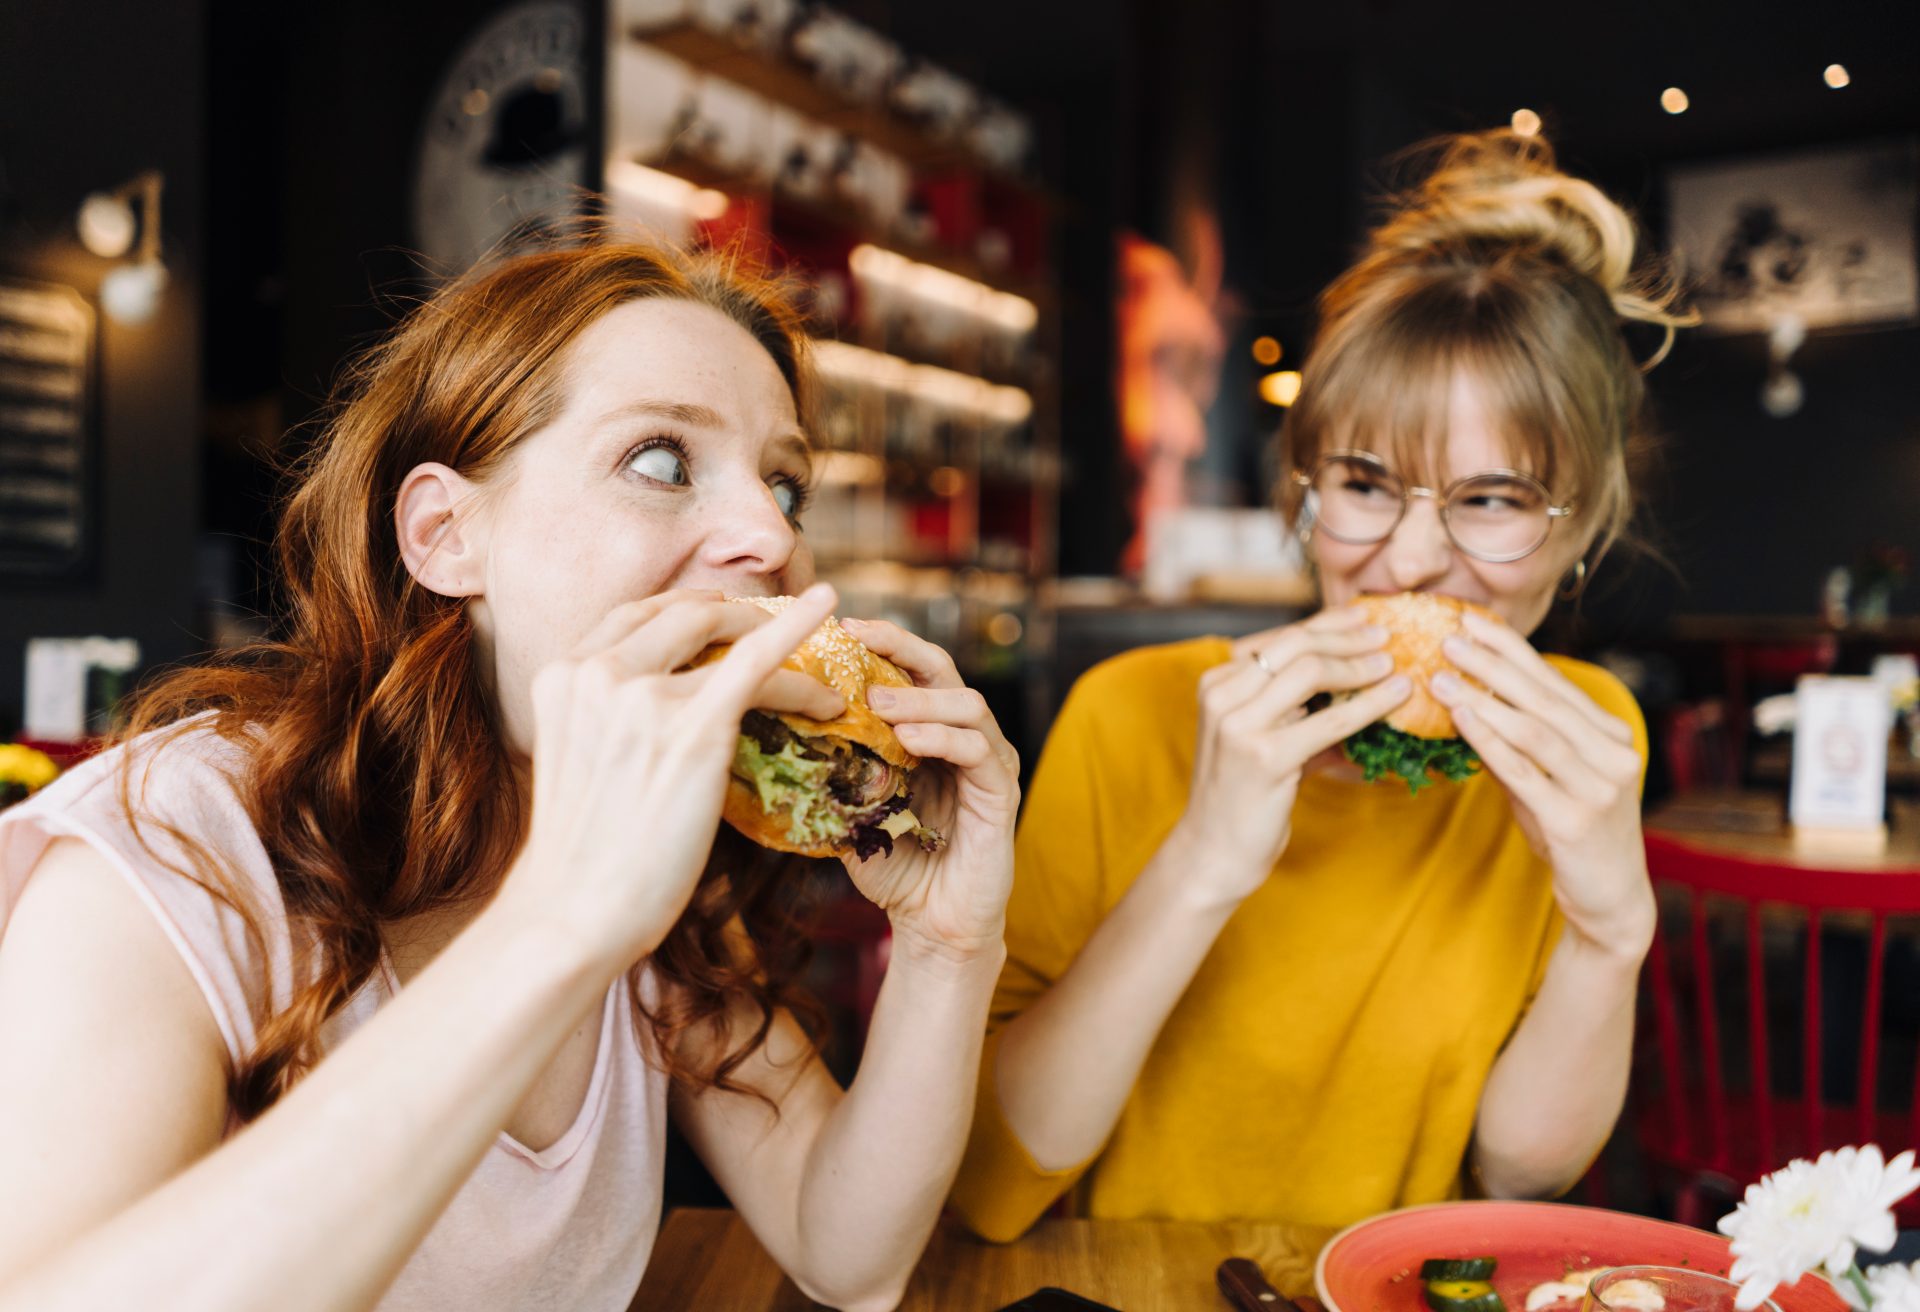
1773,764
709,1259
1753,823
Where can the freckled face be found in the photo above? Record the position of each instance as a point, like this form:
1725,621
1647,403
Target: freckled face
677,461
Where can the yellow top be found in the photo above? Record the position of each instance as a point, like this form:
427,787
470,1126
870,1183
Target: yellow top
1326,1063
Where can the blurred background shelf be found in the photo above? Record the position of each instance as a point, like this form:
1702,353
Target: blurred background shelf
801,210
931,285
788,82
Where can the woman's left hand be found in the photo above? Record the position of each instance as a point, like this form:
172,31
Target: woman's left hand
953,901
1572,774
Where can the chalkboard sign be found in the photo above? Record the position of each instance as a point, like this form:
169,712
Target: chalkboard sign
46,430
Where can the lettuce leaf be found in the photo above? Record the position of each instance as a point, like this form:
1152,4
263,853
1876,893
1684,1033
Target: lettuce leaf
791,781
1380,750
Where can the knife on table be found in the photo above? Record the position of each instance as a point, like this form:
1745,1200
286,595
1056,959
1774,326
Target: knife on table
1246,1287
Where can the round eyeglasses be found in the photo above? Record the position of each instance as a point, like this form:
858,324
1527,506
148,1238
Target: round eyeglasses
1497,515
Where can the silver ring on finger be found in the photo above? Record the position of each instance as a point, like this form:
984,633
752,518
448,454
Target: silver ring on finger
1260,659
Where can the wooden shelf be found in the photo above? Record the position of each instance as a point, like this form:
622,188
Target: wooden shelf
834,213
787,82
1015,509
920,357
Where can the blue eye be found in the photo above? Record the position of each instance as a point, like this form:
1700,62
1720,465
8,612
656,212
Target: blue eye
787,497
661,464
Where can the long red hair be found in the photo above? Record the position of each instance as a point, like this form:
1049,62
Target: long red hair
376,777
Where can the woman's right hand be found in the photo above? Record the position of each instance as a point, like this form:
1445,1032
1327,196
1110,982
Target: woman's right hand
630,760
1256,739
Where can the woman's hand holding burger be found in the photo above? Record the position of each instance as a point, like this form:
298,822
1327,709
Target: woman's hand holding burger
950,900
1256,738
1571,772
630,761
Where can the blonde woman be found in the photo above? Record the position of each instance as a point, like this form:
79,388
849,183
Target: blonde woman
1244,983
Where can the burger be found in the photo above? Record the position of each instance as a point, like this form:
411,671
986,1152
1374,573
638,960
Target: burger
825,787
1417,741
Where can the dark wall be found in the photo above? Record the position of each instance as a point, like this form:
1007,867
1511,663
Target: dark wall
1756,510
90,95
358,77
1747,512
317,119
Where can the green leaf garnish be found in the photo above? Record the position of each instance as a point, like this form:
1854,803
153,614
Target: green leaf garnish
1380,750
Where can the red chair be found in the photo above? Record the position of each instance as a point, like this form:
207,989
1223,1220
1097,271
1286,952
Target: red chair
858,940
1695,1120
66,755
1697,746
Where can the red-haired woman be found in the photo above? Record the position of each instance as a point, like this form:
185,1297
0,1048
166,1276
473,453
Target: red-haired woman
368,970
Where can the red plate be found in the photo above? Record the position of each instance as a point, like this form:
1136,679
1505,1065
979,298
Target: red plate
1375,1266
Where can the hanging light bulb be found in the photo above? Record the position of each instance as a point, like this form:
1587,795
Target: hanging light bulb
106,224
130,293
1783,393
109,227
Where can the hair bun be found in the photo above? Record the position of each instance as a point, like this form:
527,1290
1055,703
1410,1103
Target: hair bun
1500,188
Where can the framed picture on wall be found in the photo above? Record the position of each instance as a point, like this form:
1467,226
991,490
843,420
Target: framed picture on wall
47,424
1824,234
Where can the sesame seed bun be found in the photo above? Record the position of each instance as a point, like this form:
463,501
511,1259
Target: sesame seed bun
842,662
1416,624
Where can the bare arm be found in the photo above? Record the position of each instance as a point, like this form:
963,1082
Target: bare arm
1572,773
83,958
843,1189
1554,1094
320,1202
1067,1064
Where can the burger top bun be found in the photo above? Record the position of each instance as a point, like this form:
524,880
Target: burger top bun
842,662
1416,624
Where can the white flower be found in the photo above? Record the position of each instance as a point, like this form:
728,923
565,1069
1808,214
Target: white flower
1894,1288
1816,1214
1876,1185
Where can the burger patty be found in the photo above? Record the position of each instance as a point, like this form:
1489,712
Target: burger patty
858,780
771,734
862,793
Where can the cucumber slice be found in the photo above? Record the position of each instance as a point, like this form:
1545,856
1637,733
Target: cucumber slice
1457,1268
1463,1296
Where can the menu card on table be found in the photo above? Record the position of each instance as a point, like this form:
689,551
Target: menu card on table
1839,791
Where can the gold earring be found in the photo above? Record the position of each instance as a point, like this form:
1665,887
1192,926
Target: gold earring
1578,574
